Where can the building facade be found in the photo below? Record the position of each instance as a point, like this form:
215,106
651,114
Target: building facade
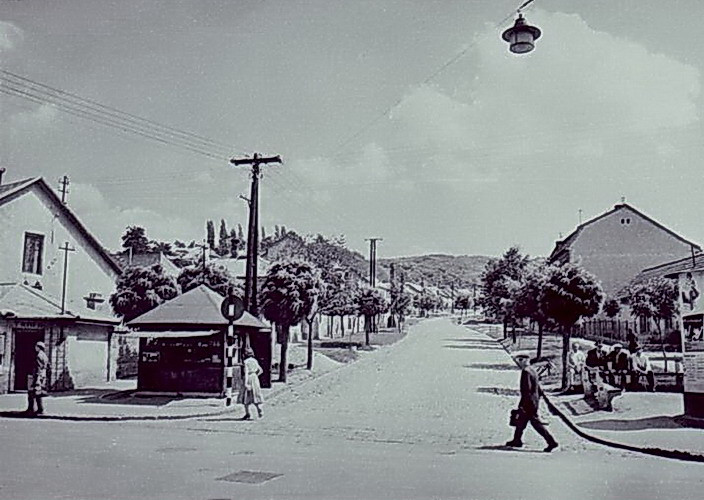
49,294
617,245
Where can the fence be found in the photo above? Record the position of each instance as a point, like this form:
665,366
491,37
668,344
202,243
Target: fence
612,330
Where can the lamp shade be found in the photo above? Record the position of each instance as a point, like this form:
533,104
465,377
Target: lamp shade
521,36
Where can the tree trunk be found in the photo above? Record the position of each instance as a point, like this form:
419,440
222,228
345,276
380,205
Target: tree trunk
367,328
283,362
662,343
342,325
540,340
505,328
309,364
566,331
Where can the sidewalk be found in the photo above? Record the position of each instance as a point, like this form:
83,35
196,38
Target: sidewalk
119,400
649,422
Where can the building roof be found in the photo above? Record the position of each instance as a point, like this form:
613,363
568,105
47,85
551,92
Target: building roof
673,268
146,259
566,243
19,301
197,307
238,267
11,191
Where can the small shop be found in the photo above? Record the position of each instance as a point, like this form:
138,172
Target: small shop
182,345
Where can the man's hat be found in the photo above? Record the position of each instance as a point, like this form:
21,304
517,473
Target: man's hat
41,345
617,346
521,354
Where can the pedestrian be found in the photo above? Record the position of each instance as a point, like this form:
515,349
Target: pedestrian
529,404
641,366
37,386
251,391
595,356
575,366
618,363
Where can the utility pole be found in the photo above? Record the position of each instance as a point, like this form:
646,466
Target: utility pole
580,216
250,287
203,247
452,298
64,182
65,249
372,260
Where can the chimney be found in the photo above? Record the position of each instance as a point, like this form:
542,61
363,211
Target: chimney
2,171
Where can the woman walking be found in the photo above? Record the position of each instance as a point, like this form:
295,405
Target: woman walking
251,391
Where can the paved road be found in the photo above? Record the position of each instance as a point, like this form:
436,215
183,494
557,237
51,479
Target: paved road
422,419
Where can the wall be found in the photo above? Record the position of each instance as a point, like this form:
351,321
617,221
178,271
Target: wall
615,253
86,271
88,356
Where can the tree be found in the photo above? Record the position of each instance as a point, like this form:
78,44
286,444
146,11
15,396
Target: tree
135,237
215,276
571,293
161,246
529,299
210,234
288,295
612,308
223,240
140,289
656,299
463,301
427,301
370,303
500,279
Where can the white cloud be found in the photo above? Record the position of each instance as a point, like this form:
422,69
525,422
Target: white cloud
108,222
10,36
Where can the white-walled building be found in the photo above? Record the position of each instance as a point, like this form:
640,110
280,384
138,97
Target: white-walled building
74,321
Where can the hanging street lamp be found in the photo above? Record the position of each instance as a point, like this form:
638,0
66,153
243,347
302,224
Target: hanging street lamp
521,36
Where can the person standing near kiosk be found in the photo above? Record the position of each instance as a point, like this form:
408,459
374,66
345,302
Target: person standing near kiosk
36,389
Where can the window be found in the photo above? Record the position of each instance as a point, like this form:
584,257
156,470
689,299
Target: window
33,251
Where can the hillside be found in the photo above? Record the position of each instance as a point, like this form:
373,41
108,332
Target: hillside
438,269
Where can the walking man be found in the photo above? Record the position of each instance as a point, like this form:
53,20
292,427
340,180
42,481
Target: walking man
528,405
37,388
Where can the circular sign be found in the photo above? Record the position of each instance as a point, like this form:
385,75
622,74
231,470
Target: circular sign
232,308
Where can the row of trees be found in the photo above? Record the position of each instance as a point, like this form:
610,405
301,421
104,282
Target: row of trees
229,243
293,291
515,287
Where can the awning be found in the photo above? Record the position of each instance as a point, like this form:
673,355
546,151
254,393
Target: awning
172,334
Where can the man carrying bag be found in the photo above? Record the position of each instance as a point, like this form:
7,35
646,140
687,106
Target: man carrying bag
527,411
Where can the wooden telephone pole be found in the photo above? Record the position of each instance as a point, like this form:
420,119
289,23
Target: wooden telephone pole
372,260
250,287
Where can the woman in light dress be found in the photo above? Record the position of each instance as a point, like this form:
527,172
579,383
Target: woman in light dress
251,391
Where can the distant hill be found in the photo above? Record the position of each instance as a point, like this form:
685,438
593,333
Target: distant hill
439,269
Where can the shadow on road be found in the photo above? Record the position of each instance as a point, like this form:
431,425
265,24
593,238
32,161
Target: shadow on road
661,422
478,347
501,447
492,366
499,391
474,341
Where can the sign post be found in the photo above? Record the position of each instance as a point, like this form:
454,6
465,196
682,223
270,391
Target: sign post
232,309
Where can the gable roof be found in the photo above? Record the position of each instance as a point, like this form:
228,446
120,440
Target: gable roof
566,243
12,191
146,259
197,307
24,302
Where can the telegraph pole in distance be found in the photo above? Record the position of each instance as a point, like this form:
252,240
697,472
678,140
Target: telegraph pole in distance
65,249
64,182
250,287
372,260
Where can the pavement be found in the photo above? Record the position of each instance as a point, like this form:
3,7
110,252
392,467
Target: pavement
119,400
424,418
647,422
651,423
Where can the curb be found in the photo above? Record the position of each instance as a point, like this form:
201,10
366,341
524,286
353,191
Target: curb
657,452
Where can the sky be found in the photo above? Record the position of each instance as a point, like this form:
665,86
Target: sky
379,135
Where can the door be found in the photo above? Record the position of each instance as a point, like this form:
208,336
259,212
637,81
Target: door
25,339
